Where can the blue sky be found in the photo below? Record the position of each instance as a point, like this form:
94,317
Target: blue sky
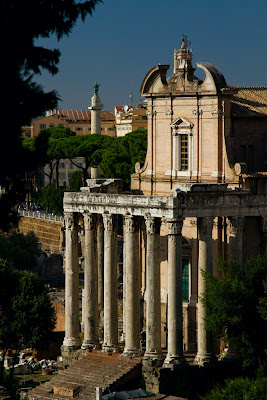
124,39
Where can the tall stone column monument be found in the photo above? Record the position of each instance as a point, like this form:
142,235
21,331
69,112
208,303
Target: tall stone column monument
96,108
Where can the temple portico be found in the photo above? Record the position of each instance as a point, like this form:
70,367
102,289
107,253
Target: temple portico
100,214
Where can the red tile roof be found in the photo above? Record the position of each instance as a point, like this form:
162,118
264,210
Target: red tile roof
250,102
83,115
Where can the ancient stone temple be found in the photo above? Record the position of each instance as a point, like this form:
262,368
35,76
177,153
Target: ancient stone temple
200,193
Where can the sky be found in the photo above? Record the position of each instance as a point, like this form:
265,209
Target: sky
124,39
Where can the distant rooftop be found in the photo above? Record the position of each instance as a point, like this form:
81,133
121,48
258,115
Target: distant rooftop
83,115
250,102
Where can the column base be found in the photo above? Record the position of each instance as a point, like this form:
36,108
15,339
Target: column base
204,360
132,352
113,348
73,343
90,345
153,359
172,361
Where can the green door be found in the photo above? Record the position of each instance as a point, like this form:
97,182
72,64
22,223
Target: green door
185,277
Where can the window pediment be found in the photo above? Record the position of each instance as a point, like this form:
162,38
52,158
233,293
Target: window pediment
182,123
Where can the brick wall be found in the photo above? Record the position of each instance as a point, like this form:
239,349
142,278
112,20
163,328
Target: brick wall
48,232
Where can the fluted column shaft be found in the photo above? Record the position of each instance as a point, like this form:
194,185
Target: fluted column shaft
90,284
110,284
153,298
132,339
72,323
205,345
175,294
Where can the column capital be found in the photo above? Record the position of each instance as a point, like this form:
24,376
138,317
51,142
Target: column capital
174,226
69,220
88,220
205,225
131,223
235,225
152,225
109,221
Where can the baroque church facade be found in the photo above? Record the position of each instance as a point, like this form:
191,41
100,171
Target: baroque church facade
201,193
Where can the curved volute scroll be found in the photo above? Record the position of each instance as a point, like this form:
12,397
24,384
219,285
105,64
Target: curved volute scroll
214,80
155,80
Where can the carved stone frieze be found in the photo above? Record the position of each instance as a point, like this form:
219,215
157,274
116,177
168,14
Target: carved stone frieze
174,226
152,225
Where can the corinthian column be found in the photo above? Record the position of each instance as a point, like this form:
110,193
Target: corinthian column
205,346
72,323
132,282
175,294
90,284
100,272
153,301
110,284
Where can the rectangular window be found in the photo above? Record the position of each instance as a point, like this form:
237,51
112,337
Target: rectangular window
51,125
185,279
89,129
78,128
62,176
62,165
42,126
184,152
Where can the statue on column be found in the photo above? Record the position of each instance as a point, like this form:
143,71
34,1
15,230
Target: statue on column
96,88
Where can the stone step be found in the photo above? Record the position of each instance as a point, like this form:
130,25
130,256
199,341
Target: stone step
94,369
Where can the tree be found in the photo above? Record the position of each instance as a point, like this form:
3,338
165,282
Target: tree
90,147
52,199
21,25
20,250
51,143
27,316
119,159
76,181
236,307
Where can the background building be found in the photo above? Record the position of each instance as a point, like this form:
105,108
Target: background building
128,119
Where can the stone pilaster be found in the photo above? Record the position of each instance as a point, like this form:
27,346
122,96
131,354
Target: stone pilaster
132,283
175,294
235,230
205,353
153,352
72,324
110,284
100,272
90,284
